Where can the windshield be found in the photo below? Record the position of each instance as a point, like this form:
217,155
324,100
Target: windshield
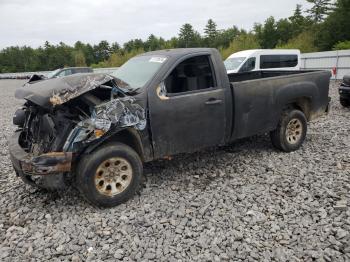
139,70
233,63
53,73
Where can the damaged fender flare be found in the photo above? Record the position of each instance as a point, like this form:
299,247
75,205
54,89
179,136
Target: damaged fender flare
128,136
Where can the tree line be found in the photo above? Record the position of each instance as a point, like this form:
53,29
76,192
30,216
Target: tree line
325,26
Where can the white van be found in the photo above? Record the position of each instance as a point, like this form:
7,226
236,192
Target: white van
263,59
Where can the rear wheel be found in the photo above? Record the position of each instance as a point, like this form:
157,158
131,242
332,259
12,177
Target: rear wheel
344,102
110,175
290,132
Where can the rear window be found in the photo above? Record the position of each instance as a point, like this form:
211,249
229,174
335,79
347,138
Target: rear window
278,61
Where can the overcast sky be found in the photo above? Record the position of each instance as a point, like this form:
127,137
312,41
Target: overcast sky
32,22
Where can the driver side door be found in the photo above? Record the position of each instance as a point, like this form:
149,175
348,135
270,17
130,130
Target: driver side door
187,110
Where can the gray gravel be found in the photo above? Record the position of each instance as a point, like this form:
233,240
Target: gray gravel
243,202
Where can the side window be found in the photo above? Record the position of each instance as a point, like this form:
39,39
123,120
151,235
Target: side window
65,72
68,72
278,61
249,65
62,73
192,74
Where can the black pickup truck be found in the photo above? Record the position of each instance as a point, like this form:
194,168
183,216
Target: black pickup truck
97,130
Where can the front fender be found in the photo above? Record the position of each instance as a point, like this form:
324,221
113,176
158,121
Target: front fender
128,136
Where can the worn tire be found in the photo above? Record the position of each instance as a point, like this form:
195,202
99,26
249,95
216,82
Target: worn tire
280,137
88,166
344,102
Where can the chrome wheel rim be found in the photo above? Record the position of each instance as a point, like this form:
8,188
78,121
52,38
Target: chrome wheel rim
294,131
113,176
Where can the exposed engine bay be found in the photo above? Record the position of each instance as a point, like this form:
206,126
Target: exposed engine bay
58,122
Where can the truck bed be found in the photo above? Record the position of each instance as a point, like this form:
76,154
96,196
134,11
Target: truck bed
239,77
259,97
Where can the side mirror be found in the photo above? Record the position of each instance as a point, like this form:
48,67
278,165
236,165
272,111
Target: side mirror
161,91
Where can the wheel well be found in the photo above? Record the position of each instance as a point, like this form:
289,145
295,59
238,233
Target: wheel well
304,105
128,137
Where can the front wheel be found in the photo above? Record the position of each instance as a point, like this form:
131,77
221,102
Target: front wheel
110,175
290,132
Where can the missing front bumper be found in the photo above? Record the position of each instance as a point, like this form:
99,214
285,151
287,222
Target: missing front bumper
46,164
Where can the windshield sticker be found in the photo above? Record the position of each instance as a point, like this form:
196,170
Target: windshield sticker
157,60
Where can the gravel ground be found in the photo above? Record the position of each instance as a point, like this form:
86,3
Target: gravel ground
243,202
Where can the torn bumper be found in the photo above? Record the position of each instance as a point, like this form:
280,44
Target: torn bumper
26,164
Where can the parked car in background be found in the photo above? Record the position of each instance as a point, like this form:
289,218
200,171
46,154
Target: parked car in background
60,72
344,91
263,59
69,71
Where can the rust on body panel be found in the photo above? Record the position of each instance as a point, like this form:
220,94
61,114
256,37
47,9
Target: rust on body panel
53,162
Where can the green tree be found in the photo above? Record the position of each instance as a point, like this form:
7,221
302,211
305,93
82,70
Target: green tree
55,56
118,58
304,42
102,51
210,29
115,47
188,37
342,45
89,54
284,30
87,51
154,43
172,43
297,17
336,27
319,10
133,44
211,33
79,58
242,42
18,59
298,22
226,36
267,34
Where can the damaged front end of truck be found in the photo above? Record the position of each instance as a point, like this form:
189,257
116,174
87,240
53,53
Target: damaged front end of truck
63,117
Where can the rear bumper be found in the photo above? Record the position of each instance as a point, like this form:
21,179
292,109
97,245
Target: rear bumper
26,164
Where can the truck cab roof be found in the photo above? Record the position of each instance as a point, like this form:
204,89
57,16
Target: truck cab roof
178,52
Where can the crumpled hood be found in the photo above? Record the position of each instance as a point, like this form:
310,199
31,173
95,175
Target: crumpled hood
57,91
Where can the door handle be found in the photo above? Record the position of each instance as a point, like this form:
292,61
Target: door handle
213,102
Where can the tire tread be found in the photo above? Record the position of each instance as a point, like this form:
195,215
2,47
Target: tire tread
85,163
278,135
